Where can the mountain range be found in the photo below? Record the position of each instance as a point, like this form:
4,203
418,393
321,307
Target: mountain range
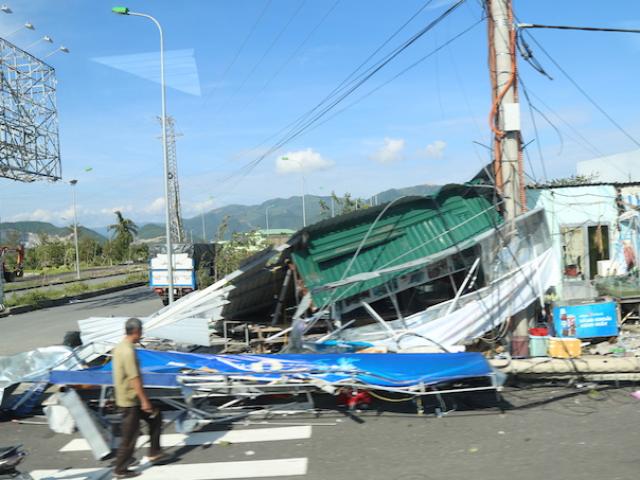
283,213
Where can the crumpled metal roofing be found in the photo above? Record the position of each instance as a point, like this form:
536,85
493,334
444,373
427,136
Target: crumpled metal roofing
413,227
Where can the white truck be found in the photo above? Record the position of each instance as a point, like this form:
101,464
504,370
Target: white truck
192,264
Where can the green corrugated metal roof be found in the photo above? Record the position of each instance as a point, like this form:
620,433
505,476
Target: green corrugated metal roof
412,228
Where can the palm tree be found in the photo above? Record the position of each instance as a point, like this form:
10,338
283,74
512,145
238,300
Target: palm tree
125,230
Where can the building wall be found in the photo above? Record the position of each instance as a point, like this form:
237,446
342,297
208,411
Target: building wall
621,167
572,207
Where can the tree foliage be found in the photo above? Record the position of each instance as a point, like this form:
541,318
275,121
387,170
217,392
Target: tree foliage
570,181
230,254
124,232
341,205
59,253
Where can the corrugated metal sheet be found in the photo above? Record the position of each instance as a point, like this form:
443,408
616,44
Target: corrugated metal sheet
412,228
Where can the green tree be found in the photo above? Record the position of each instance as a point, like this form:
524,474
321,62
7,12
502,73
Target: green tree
124,231
90,249
139,252
230,254
341,205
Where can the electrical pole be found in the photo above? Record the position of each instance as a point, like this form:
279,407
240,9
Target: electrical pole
507,147
505,108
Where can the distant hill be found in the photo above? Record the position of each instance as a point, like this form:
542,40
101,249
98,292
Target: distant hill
150,230
29,229
283,213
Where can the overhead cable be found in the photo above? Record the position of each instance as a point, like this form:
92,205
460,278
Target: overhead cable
584,92
586,29
246,40
294,54
300,127
264,55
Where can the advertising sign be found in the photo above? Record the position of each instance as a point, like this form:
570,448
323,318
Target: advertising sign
586,321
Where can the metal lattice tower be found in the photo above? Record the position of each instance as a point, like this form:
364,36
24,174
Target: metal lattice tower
177,231
29,143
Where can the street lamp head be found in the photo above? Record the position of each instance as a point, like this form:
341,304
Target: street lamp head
63,49
73,182
120,10
6,9
47,39
29,26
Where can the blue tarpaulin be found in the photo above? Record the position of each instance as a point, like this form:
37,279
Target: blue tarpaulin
388,370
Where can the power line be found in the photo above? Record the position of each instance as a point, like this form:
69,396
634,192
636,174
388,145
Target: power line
264,55
535,130
402,72
584,92
313,122
359,81
246,40
587,145
294,54
333,92
586,29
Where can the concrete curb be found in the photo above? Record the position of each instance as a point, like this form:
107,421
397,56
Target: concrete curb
65,300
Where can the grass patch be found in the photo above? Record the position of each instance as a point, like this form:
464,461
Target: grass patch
37,297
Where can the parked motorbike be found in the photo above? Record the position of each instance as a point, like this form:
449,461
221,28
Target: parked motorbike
10,458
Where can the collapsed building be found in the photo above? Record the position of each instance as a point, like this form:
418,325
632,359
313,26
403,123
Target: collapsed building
402,267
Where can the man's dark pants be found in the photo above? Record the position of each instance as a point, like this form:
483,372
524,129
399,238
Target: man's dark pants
130,428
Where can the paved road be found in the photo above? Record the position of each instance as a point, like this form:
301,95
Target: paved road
48,326
556,434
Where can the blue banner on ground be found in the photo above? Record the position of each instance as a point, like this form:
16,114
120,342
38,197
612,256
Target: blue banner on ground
586,321
383,370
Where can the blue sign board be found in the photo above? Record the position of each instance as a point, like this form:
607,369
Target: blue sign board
586,321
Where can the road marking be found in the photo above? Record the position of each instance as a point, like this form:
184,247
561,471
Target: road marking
193,471
205,438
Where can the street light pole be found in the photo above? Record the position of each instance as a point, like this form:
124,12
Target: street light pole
304,209
266,214
73,183
126,11
204,230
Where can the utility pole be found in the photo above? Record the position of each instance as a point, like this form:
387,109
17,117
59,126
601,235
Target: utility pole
507,147
505,108
177,229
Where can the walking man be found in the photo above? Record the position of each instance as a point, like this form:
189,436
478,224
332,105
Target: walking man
133,402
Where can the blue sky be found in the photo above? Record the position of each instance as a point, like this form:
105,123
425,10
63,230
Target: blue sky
417,129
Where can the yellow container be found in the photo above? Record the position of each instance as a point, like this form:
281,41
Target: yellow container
565,347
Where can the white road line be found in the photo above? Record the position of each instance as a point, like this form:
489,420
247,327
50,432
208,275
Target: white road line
192,471
204,438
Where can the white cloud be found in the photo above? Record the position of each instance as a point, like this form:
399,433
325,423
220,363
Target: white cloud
38,215
434,150
157,206
392,150
193,208
121,208
302,161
